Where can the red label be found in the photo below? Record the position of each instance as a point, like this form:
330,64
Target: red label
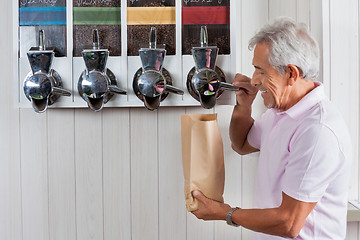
205,15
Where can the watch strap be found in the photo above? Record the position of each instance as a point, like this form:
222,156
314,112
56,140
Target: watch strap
228,217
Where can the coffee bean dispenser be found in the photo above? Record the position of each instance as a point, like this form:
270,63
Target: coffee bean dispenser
206,82
43,85
152,83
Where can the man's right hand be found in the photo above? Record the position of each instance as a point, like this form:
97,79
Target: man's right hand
247,93
241,120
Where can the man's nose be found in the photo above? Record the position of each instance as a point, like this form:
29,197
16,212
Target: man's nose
255,81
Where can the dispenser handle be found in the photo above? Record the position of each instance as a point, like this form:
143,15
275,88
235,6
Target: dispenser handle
115,89
172,89
42,40
229,86
61,91
203,36
96,41
152,38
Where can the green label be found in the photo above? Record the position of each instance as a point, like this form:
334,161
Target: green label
97,16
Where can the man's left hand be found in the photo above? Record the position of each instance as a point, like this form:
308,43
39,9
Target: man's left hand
210,209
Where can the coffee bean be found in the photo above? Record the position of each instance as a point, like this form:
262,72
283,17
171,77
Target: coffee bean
138,35
218,35
109,36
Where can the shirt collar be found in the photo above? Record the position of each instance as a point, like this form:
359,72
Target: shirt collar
306,103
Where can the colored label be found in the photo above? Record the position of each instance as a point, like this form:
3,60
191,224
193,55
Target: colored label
33,16
205,15
97,16
150,15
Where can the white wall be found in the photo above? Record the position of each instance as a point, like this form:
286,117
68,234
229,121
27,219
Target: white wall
73,174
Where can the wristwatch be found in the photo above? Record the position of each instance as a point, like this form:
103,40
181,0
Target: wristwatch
228,217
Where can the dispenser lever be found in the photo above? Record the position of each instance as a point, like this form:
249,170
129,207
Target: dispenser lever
61,91
96,41
171,89
152,38
203,36
229,86
115,89
41,40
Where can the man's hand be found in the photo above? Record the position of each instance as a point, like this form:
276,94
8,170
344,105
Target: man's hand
210,209
247,93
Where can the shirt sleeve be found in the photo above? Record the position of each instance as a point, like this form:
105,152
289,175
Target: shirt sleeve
314,161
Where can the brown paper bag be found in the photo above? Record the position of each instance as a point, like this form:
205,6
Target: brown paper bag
203,158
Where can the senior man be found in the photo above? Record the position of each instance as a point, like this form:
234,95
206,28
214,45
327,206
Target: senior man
305,151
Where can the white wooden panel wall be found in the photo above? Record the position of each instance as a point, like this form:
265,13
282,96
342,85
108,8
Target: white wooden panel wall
61,175
116,174
344,78
10,183
256,13
73,174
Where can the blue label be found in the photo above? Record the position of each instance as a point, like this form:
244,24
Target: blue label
29,16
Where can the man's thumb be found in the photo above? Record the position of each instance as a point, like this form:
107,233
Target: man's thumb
199,196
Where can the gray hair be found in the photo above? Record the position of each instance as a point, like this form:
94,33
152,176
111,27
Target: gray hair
290,43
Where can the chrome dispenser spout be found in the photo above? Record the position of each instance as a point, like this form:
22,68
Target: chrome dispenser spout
43,85
152,83
206,82
97,83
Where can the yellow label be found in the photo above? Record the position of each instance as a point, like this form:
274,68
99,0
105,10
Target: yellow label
150,15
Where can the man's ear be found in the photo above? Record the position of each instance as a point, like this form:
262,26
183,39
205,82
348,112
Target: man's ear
293,73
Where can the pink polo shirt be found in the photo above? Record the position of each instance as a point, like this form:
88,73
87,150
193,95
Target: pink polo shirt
305,152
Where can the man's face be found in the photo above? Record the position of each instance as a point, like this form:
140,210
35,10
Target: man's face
271,84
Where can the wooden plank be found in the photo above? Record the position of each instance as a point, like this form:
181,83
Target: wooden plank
232,188
61,174
233,184
249,162
358,172
316,29
279,8
116,155
34,175
256,13
144,174
326,49
352,231
249,167
171,179
198,229
89,175
10,184
303,11
344,78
